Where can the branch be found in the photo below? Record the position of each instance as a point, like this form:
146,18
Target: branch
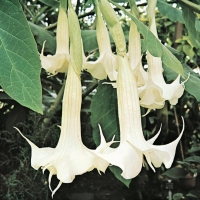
54,106
191,5
90,89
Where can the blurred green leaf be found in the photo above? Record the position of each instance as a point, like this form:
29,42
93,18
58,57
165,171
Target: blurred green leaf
192,195
195,159
179,55
194,149
104,112
190,18
117,172
175,173
197,25
168,10
42,35
177,196
20,64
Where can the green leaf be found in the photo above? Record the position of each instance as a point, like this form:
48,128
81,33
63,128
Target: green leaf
192,85
168,10
175,173
20,64
195,159
197,24
42,35
177,196
188,50
179,54
194,149
104,112
153,45
190,19
89,40
117,172
192,195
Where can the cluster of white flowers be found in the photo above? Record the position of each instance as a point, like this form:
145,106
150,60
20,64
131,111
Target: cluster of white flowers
135,87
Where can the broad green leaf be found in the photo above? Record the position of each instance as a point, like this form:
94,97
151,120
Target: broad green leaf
192,195
153,45
194,149
179,55
20,64
188,50
197,25
42,35
177,196
104,112
190,18
168,10
117,172
184,164
192,85
195,159
175,173
89,40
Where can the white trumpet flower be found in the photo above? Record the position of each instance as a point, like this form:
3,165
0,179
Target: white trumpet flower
60,61
135,54
160,91
129,154
105,65
70,157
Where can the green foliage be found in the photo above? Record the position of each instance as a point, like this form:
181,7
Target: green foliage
52,3
177,196
117,172
89,40
172,13
192,85
175,173
41,35
104,112
19,77
190,18
20,65
195,159
20,180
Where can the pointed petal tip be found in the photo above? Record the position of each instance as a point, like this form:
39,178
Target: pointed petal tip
30,143
54,191
148,111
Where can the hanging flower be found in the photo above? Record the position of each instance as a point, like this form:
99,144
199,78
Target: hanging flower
134,51
70,157
157,91
129,154
105,65
60,61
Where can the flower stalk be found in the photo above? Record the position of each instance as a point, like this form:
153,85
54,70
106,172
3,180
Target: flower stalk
114,26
